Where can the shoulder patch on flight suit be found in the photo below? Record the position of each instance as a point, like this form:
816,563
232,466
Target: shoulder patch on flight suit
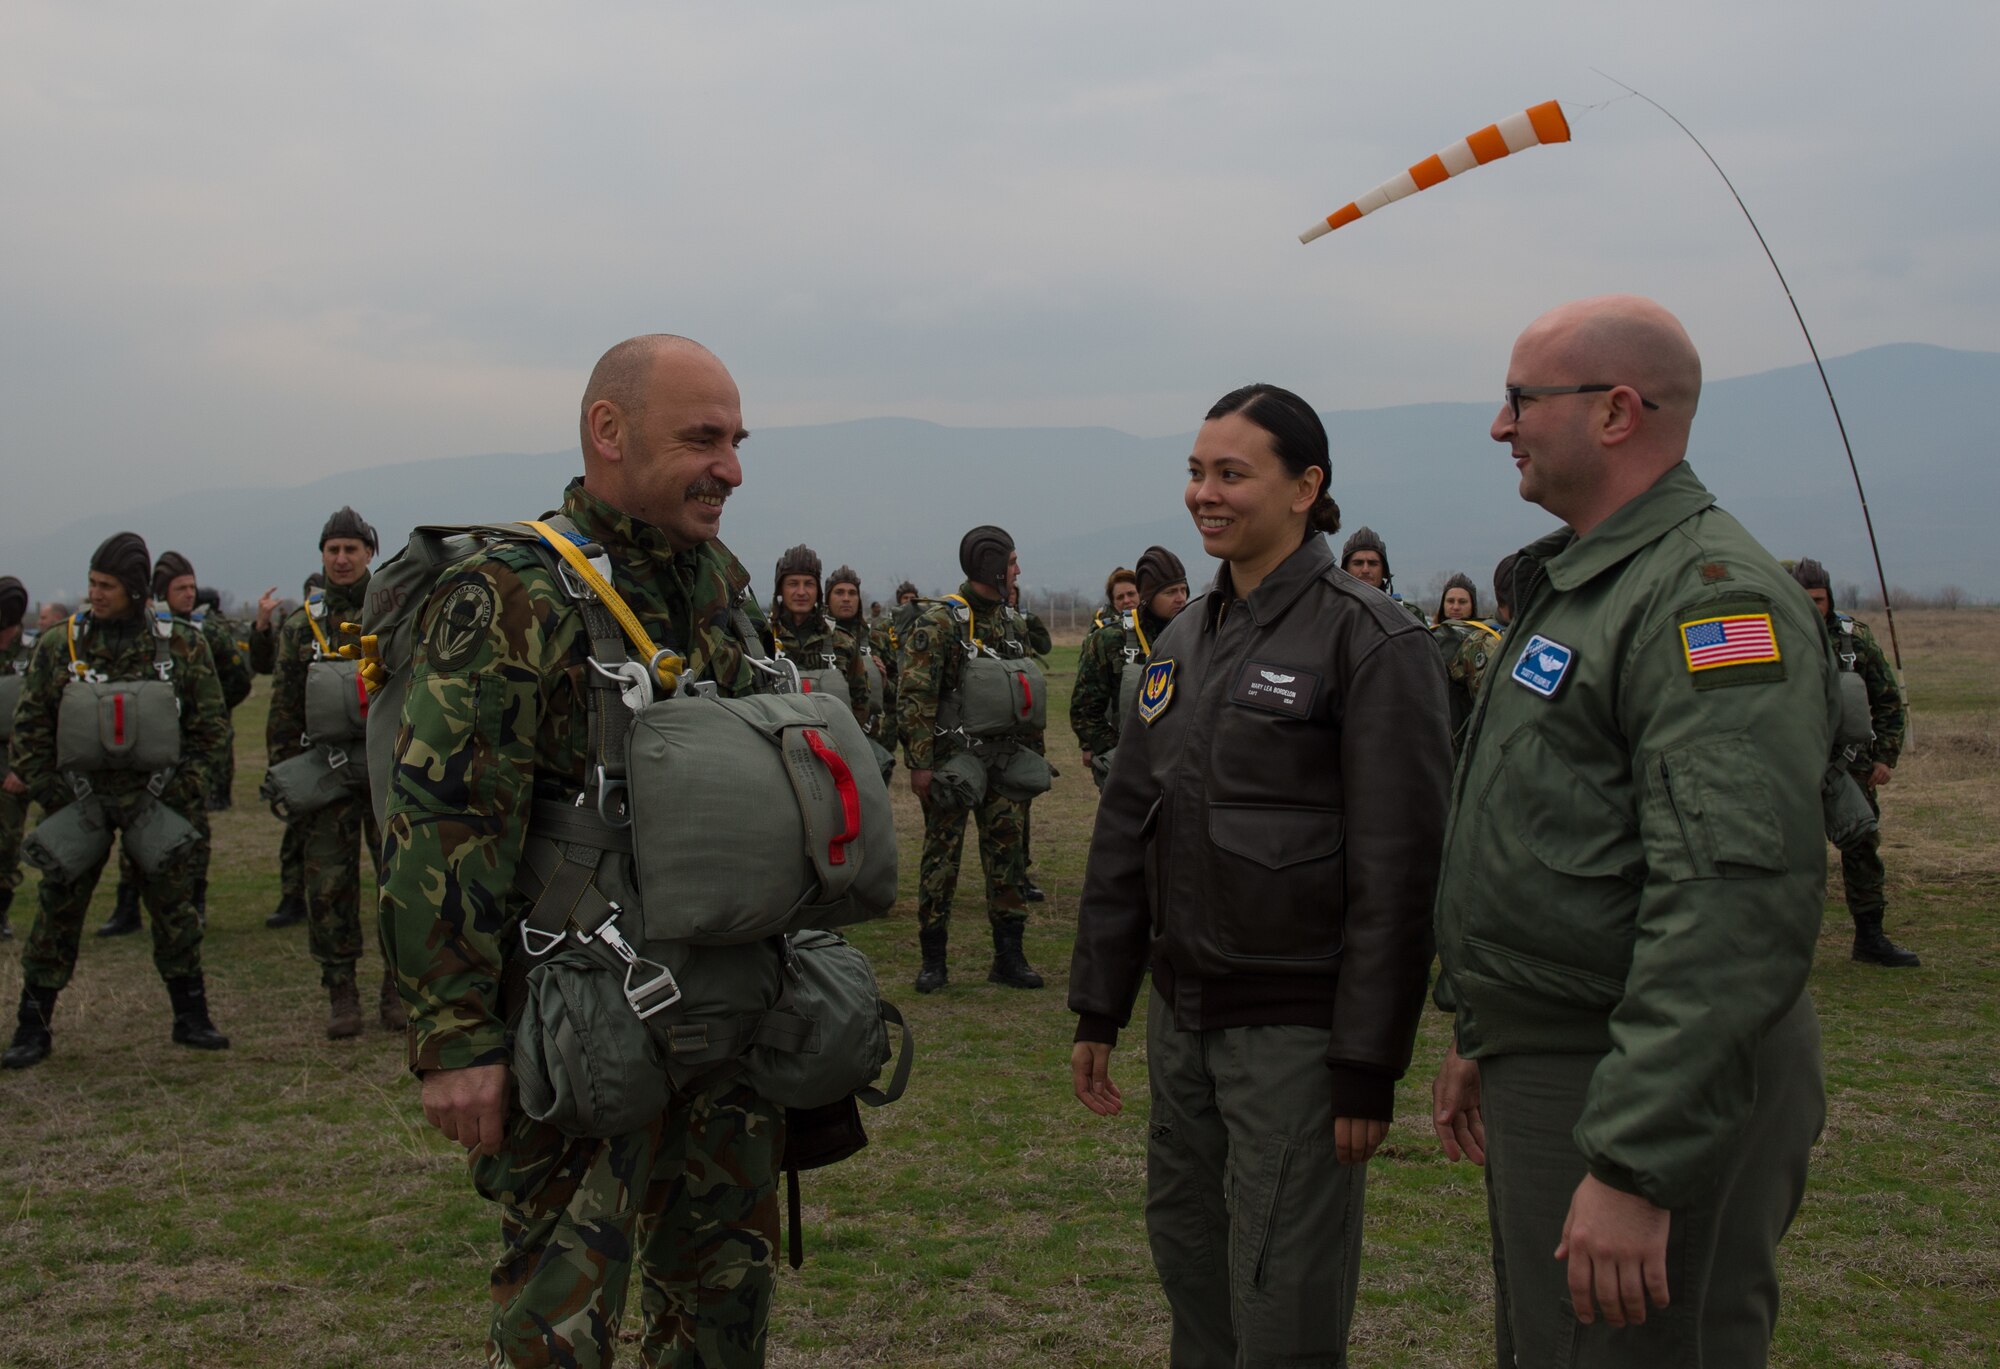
1156,690
1729,644
1541,666
459,624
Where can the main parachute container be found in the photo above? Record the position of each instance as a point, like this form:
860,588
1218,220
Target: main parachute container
1544,123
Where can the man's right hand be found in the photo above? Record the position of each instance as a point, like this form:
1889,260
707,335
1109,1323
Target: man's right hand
1455,1109
13,784
1090,1078
920,785
266,602
469,1106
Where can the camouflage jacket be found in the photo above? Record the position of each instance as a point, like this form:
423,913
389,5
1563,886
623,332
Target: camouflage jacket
497,717
14,659
1100,668
298,647
120,650
877,654
1468,648
932,654
230,666
1885,700
819,644
263,645
1036,635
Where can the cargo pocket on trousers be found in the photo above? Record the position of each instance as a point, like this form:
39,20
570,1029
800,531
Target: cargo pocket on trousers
1269,1218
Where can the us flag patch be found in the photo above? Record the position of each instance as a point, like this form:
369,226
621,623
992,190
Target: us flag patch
1739,639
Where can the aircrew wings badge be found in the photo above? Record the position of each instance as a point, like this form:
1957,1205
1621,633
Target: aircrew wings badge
1156,691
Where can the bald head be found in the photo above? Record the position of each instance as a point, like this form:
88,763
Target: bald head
622,375
1625,340
661,424
1607,389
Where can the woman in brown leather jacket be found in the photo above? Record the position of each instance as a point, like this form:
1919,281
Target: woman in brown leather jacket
1266,845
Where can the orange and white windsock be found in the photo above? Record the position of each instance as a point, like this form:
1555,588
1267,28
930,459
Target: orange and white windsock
1530,128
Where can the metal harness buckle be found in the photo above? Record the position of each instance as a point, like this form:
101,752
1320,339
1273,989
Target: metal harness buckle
649,996
784,669
608,789
635,683
536,949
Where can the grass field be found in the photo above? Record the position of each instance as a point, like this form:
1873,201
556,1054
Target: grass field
284,1204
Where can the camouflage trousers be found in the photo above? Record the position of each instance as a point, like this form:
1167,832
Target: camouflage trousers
693,1196
13,823
292,861
331,842
221,782
1861,871
1002,854
49,957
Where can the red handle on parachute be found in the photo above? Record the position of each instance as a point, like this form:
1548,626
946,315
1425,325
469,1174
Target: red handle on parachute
361,688
1027,694
850,797
118,720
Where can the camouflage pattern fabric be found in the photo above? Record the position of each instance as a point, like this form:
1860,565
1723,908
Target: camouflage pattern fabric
1036,634
496,715
933,654
819,644
869,643
13,809
1468,650
232,668
292,861
686,1195
120,650
1003,857
262,653
1100,666
330,843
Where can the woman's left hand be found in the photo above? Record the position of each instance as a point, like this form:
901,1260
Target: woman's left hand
1355,1139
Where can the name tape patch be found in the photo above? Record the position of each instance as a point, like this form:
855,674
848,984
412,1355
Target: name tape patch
1542,665
1276,688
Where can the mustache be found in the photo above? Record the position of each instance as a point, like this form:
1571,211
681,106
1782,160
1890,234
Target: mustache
708,487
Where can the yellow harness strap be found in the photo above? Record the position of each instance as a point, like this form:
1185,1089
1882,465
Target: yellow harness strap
960,600
667,668
325,647
1482,627
76,665
1140,632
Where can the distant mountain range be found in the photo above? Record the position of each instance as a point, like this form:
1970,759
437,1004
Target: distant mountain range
891,496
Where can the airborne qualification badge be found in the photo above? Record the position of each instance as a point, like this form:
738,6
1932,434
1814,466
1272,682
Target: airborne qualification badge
1156,691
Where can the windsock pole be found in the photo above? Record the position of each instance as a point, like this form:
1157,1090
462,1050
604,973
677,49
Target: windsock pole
1868,521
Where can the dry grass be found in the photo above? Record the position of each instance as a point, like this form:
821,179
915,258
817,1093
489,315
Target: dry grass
283,1204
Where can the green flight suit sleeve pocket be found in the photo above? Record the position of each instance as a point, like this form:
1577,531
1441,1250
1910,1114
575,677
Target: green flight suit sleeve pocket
1707,812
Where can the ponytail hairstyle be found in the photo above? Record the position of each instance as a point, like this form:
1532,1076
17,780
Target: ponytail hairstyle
1297,435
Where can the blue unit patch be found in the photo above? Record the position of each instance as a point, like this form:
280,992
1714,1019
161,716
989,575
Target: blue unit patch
1542,665
1156,691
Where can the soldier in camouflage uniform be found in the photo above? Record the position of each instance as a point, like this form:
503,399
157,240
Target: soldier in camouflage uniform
1161,590
1467,645
933,654
807,634
13,793
1872,766
333,837
843,601
270,624
208,609
495,717
117,639
174,595
1366,557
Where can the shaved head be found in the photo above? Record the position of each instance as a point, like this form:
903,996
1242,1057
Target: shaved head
1625,340
622,374
1601,401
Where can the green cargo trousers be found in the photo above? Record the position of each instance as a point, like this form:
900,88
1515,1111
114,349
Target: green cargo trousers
1722,1269
1002,856
1862,875
692,1198
332,841
1255,1224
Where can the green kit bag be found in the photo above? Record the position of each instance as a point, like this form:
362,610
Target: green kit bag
959,781
1020,774
756,816
70,842
118,725
156,835
316,778
828,1037
584,1060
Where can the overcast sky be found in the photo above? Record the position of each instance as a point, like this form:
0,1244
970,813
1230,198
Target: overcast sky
258,242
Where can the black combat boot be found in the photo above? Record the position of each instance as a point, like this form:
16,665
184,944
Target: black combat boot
32,1040
6,902
1031,891
933,975
290,912
124,919
1873,947
1010,967
191,1024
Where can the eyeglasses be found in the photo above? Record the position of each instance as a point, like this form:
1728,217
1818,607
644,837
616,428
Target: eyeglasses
1517,393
